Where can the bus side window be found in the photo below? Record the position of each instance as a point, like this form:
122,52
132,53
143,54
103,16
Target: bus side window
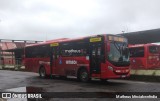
137,52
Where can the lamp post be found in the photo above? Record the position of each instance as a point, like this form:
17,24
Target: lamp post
123,32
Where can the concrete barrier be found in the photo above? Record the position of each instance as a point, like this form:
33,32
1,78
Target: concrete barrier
155,72
1,67
12,67
145,75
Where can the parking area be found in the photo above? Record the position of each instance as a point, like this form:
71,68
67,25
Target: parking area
16,79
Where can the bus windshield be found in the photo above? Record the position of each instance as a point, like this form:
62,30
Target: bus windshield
119,53
153,49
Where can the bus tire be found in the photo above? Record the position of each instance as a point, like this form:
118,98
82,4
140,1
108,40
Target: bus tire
83,75
42,72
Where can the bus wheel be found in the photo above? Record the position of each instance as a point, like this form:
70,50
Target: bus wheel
42,72
83,75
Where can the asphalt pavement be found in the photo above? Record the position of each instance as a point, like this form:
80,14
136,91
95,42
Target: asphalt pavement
18,81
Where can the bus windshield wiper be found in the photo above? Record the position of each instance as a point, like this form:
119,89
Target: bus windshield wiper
117,47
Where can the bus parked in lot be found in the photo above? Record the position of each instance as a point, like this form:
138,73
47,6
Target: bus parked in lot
100,56
144,56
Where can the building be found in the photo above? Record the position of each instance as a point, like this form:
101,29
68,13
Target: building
143,37
11,52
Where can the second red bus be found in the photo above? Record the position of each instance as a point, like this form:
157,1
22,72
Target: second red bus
144,56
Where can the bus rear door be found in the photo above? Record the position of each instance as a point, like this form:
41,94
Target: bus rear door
53,59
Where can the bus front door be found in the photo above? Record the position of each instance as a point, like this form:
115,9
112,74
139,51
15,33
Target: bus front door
95,57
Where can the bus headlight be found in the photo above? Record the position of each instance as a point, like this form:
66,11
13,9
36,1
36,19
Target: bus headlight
118,71
110,68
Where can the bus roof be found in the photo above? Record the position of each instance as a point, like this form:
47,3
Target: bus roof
68,39
52,41
141,45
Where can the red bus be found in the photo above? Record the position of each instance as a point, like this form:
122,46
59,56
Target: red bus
100,56
144,56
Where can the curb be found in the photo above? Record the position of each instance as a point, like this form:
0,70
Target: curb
146,72
145,75
144,78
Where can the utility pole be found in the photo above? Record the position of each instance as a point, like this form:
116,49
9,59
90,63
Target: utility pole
123,32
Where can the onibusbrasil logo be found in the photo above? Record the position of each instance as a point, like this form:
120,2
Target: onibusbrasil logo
20,95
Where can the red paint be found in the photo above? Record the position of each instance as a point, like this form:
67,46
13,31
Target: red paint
148,61
61,66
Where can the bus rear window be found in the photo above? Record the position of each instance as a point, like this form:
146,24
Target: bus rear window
153,49
137,52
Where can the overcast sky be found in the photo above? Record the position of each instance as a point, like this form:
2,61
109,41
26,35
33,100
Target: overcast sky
52,19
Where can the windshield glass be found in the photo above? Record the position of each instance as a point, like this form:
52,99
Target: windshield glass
118,52
153,49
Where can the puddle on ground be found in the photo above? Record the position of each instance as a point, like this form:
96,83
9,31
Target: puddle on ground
22,94
26,89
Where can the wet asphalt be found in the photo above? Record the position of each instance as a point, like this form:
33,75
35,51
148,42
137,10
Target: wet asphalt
19,79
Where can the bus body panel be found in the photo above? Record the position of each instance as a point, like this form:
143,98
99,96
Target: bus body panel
95,59
68,66
33,64
148,60
116,72
138,63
